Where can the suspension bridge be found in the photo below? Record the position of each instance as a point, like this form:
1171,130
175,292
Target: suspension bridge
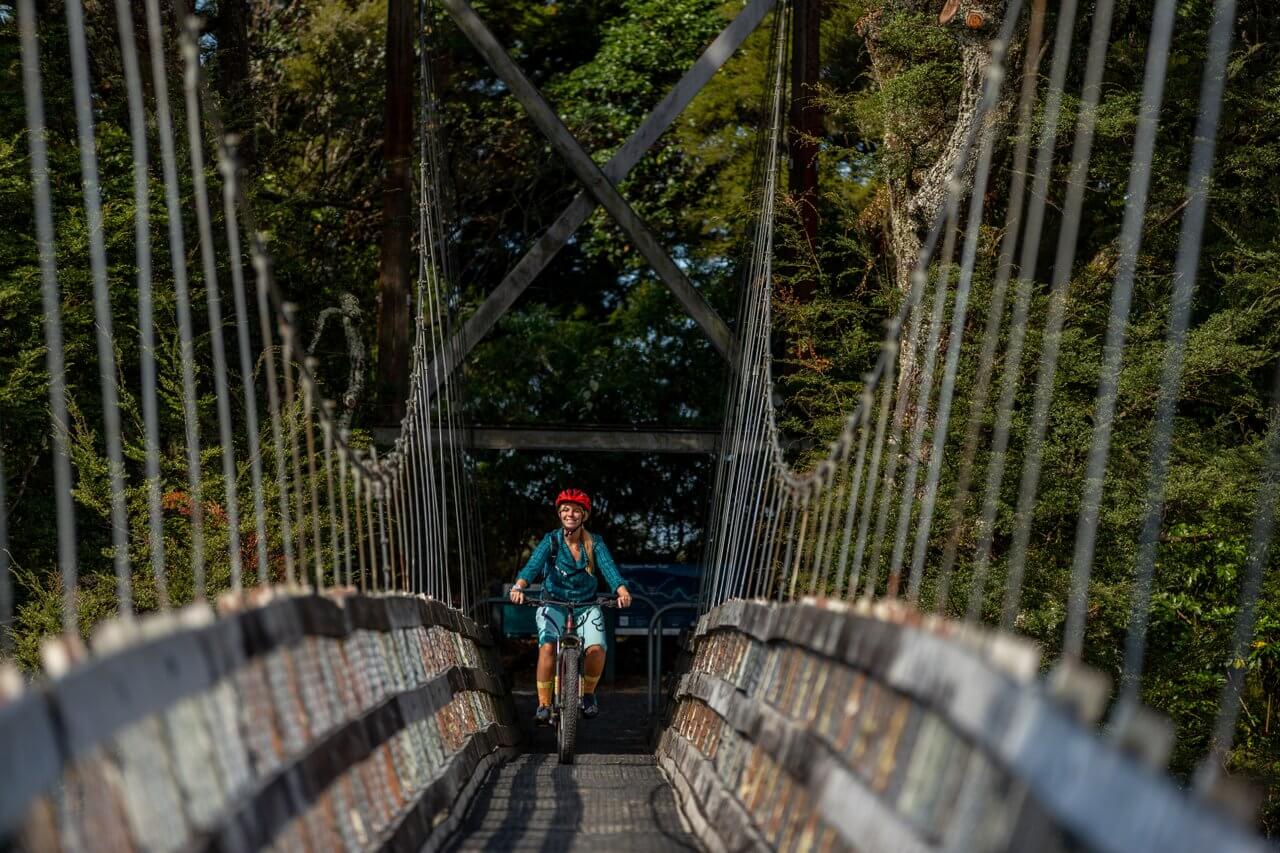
338,690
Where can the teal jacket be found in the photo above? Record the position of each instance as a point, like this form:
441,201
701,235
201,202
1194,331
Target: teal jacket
564,578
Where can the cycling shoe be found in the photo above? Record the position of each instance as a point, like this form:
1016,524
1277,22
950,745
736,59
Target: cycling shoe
590,706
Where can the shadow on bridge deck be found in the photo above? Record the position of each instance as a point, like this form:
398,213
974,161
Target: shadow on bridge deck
613,799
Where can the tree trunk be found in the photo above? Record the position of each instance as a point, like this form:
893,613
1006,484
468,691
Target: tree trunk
230,26
917,191
394,332
805,130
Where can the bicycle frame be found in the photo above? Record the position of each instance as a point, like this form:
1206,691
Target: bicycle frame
568,688
568,637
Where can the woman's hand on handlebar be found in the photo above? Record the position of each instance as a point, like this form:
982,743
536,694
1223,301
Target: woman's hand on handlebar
517,594
624,597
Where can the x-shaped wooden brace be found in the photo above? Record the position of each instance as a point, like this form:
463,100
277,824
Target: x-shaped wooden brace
599,183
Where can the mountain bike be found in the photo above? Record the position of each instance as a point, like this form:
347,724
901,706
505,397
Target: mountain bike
566,703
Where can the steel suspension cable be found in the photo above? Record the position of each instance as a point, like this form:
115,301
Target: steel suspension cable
1099,41
230,168
195,145
980,395
146,319
103,334
924,394
51,305
1130,243
1186,267
178,264
1034,224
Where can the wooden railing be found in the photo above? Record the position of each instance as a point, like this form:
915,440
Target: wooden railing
305,722
815,726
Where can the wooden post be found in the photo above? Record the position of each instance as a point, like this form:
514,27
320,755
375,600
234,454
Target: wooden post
394,288
806,127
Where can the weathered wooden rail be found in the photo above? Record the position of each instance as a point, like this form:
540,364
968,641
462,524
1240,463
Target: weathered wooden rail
814,726
307,722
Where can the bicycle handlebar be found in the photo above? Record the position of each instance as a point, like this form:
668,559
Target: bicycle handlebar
600,600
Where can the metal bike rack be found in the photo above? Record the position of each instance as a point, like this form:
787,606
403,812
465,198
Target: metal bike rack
655,654
502,599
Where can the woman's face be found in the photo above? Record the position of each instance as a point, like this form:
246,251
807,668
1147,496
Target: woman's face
572,516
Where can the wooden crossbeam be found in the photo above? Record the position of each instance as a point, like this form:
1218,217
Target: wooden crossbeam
657,122
599,439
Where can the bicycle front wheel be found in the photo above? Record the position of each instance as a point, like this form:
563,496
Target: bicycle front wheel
570,704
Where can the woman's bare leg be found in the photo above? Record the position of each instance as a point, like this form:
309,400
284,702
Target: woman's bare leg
592,667
546,673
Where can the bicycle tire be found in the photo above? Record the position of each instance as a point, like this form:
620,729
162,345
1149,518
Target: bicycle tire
570,705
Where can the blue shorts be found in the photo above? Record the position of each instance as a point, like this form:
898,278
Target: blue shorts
588,624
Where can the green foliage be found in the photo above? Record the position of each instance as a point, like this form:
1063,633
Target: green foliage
1230,361
598,340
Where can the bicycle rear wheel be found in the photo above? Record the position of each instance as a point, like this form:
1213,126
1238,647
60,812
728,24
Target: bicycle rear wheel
570,705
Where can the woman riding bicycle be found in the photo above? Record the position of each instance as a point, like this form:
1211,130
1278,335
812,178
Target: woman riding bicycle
566,560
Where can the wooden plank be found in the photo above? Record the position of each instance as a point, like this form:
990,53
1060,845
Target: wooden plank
715,815
452,789
596,182
108,693
259,815
621,163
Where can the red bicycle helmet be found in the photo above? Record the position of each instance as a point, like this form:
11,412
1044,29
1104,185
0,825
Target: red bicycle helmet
574,496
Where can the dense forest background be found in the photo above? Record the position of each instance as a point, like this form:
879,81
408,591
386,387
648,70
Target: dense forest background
598,340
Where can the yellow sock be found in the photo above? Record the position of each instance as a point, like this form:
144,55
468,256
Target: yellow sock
545,690
589,683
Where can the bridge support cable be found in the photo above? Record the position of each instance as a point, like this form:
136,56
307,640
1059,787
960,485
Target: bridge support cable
125,26
973,221
51,305
92,194
343,494
326,431
177,258
1186,268
275,535
955,336
887,382
1051,338
977,192
902,390
746,459
980,395
792,531
812,498
289,359
308,411
816,567
1012,373
1130,242
228,168
195,145
920,410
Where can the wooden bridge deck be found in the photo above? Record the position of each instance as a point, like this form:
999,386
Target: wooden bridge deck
613,799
